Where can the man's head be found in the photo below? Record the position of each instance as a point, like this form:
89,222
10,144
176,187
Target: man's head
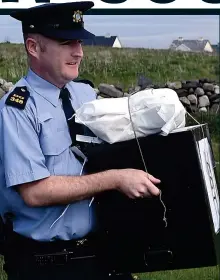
53,35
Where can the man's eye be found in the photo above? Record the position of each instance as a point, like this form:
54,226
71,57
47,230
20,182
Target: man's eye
68,42
65,42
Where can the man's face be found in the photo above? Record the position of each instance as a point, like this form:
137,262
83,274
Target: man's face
59,61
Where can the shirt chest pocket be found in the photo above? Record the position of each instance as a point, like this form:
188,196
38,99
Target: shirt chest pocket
54,135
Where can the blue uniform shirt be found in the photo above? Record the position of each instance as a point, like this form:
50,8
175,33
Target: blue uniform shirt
35,143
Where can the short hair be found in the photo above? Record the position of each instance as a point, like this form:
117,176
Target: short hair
35,36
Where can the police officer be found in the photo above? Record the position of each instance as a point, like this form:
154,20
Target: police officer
42,182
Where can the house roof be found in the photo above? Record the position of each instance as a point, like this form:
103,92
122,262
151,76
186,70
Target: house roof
193,45
100,41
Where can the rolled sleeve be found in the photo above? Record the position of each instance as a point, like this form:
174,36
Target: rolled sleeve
21,154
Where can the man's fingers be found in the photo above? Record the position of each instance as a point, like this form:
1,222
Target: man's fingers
152,188
153,179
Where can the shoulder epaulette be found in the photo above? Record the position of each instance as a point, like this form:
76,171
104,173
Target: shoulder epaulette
18,97
85,81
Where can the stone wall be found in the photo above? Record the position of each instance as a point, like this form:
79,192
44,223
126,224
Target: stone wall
196,95
4,87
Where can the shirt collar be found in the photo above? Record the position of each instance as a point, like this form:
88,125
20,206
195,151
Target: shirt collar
47,90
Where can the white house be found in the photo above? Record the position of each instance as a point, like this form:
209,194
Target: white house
200,45
106,41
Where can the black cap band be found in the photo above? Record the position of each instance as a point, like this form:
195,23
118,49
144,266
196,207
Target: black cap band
37,27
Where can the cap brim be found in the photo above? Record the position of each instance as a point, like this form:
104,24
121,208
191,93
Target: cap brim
51,10
68,34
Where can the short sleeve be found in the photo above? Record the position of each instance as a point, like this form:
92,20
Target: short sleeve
20,151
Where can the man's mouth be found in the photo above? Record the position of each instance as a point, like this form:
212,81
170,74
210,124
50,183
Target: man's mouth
72,63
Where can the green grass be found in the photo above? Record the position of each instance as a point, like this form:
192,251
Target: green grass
121,65
2,273
206,273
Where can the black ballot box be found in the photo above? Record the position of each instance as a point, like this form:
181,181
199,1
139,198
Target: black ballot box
134,235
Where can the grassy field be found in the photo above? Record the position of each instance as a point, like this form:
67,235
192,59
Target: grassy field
188,274
206,273
122,66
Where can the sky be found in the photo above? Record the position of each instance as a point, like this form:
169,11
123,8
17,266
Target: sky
144,31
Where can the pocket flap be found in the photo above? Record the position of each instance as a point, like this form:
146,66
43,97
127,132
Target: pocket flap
55,144
53,140
45,116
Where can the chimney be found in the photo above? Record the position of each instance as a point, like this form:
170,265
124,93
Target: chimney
201,39
107,35
180,38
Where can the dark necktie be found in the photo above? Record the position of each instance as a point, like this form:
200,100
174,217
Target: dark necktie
67,106
74,128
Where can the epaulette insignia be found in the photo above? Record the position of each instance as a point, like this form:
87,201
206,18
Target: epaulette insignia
18,97
85,81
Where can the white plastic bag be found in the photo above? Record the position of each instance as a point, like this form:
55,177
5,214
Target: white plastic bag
152,111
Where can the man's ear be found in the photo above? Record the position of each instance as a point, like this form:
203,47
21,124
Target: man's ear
32,47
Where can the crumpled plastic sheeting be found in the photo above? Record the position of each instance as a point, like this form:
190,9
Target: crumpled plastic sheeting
152,111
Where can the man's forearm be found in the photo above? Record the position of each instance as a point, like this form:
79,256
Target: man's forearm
67,189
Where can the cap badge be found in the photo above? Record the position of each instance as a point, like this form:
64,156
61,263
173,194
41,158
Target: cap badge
77,16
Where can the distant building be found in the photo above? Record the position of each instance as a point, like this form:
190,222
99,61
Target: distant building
216,48
104,41
200,45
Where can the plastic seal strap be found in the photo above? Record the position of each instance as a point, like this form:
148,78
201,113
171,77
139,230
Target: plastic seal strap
142,157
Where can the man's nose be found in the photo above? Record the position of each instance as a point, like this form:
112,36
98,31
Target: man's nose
77,49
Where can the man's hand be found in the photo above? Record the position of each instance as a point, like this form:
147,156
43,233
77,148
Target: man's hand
67,189
137,183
